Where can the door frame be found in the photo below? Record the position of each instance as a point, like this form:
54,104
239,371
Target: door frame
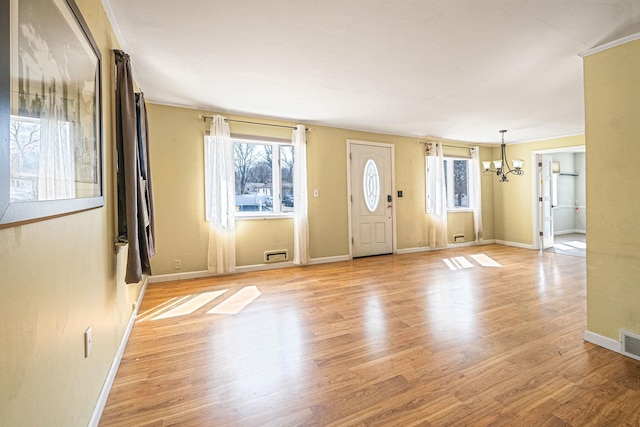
535,179
394,242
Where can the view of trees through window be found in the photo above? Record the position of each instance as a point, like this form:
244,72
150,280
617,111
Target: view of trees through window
260,185
456,174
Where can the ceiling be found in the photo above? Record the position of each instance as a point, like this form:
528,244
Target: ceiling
459,70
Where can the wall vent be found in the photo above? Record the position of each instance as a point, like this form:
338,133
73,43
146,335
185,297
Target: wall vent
458,238
630,344
276,256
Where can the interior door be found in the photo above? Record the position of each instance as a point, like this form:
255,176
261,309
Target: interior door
371,200
545,201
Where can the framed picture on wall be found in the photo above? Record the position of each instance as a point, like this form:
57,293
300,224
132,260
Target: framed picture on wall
51,151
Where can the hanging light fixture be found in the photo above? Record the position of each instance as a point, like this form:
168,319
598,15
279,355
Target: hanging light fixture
502,168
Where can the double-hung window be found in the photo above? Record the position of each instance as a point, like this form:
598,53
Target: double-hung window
456,176
263,177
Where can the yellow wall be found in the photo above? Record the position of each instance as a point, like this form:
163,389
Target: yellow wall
176,136
513,200
461,223
612,106
58,277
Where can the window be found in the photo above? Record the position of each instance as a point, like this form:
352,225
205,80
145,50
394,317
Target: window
456,176
371,185
263,176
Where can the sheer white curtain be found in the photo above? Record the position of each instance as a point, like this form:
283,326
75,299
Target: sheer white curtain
56,166
437,199
475,185
300,209
220,196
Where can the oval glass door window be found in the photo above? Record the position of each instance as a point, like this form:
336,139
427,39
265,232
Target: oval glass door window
371,185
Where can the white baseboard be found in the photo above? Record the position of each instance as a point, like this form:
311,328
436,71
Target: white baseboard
113,370
259,267
242,269
574,231
414,250
329,259
180,276
458,245
602,341
516,244
449,246
205,273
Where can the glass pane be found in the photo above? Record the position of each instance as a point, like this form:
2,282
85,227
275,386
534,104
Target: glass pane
53,149
461,186
456,183
286,176
371,185
253,177
554,189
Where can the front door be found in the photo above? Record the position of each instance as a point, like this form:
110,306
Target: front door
371,199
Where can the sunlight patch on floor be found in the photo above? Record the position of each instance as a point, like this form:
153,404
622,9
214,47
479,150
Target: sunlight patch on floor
189,304
576,244
485,261
460,262
562,247
235,303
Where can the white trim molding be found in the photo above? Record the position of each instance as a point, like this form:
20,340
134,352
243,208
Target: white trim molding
329,259
114,23
180,276
113,370
602,341
609,45
449,246
339,258
516,244
415,250
242,269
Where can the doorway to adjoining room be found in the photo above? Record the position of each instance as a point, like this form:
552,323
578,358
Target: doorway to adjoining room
560,213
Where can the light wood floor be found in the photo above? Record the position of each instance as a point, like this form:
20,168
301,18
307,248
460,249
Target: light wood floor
391,340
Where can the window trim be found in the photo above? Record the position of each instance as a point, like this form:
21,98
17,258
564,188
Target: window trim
262,216
275,175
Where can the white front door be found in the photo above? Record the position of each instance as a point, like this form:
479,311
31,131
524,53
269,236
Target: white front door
371,199
545,201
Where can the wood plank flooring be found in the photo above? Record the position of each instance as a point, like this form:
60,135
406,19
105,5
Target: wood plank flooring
395,340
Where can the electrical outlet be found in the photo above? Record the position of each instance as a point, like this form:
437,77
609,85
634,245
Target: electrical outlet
88,342
177,264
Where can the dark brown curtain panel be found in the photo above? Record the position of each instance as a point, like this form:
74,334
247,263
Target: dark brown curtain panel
136,220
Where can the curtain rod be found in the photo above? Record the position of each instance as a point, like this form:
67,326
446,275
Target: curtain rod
204,119
429,144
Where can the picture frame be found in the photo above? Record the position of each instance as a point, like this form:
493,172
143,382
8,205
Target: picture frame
51,142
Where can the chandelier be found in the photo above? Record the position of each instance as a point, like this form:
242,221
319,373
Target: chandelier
502,168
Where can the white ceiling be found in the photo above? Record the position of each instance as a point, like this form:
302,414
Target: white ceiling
455,69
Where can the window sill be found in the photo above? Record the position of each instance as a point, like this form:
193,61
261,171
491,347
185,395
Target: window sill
263,216
465,210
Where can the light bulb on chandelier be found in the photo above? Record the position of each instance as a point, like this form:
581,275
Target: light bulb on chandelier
502,164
